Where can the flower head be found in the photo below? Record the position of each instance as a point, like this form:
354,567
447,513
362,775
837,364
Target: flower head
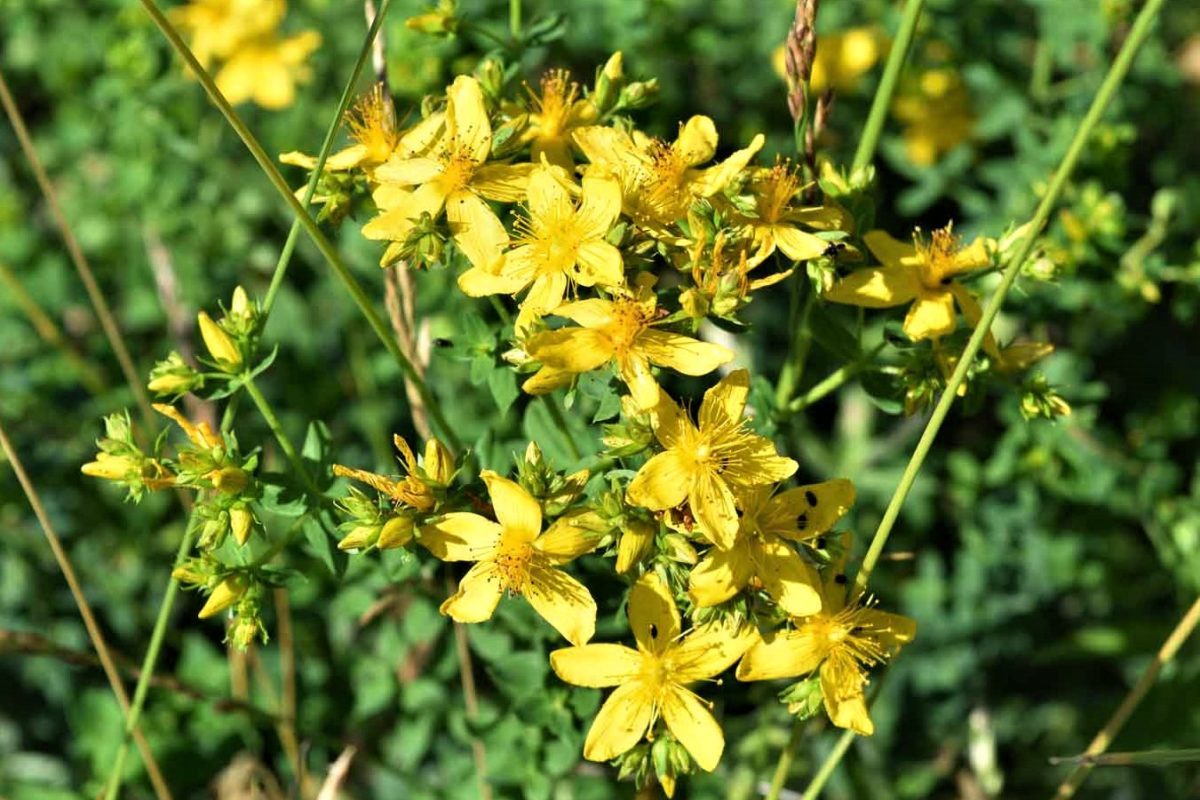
266,69
704,461
372,125
922,274
216,28
777,223
448,171
560,243
513,555
417,488
619,332
764,553
652,680
840,643
556,112
661,180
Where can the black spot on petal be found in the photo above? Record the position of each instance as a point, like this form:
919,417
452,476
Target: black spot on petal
811,497
653,631
840,579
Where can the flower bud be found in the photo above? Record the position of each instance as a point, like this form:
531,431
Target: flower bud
220,344
111,468
227,592
396,532
439,463
637,539
229,480
240,522
360,538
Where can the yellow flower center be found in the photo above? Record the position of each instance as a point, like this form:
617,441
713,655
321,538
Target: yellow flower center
558,95
848,634
629,319
776,191
373,125
556,237
457,169
663,180
937,257
514,555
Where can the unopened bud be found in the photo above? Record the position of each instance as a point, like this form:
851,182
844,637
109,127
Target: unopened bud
220,344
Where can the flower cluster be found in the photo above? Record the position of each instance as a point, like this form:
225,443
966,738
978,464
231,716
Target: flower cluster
242,37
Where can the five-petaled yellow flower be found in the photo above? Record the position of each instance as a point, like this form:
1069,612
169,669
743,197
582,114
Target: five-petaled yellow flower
266,69
555,115
661,181
652,680
921,273
777,222
620,332
514,555
764,553
372,124
841,642
705,461
559,243
452,174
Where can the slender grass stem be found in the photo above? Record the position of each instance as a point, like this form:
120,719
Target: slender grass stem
100,305
116,775
801,343
1179,634
289,246
1116,73
285,443
310,226
825,771
1112,81
784,765
865,153
85,611
49,332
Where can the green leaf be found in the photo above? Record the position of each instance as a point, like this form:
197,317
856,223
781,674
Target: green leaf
503,385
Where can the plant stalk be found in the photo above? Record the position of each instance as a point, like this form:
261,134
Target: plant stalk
865,153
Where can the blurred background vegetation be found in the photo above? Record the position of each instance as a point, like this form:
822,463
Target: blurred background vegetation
1045,561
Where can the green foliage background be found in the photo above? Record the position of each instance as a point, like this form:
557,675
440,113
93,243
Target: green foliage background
1048,560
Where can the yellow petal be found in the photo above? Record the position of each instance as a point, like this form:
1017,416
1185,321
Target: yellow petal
477,596
712,504
548,199
635,373
467,118
710,181
720,575
477,231
726,401
653,616
890,251
461,536
570,536
878,287
621,723
690,721
506,183
709,650
681,353
798,245
636,540
808,511
972,313
601,204
420,138
671,425
588,313
548,379
786,654
516,510
596,666
974,256
546,293
892,630
220,344
842,688
563,602
661,483
789,579
477,282
599,264
408,171
758,463
571,349
697,142
931,316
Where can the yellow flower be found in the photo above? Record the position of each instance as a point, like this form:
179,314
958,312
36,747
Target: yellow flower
620,332
777,224
416,488
216,28
703,463
558,244
266,69
556,113
201,435
452,174
841,642
372,124
514,555
763,552
652,680
922,274
661,181
937,116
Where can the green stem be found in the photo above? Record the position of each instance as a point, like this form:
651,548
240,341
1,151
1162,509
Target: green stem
865,153
833,381
285,255
827,766
793,368
1116,73
148,663
310,226
514,21
784,765
285,444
